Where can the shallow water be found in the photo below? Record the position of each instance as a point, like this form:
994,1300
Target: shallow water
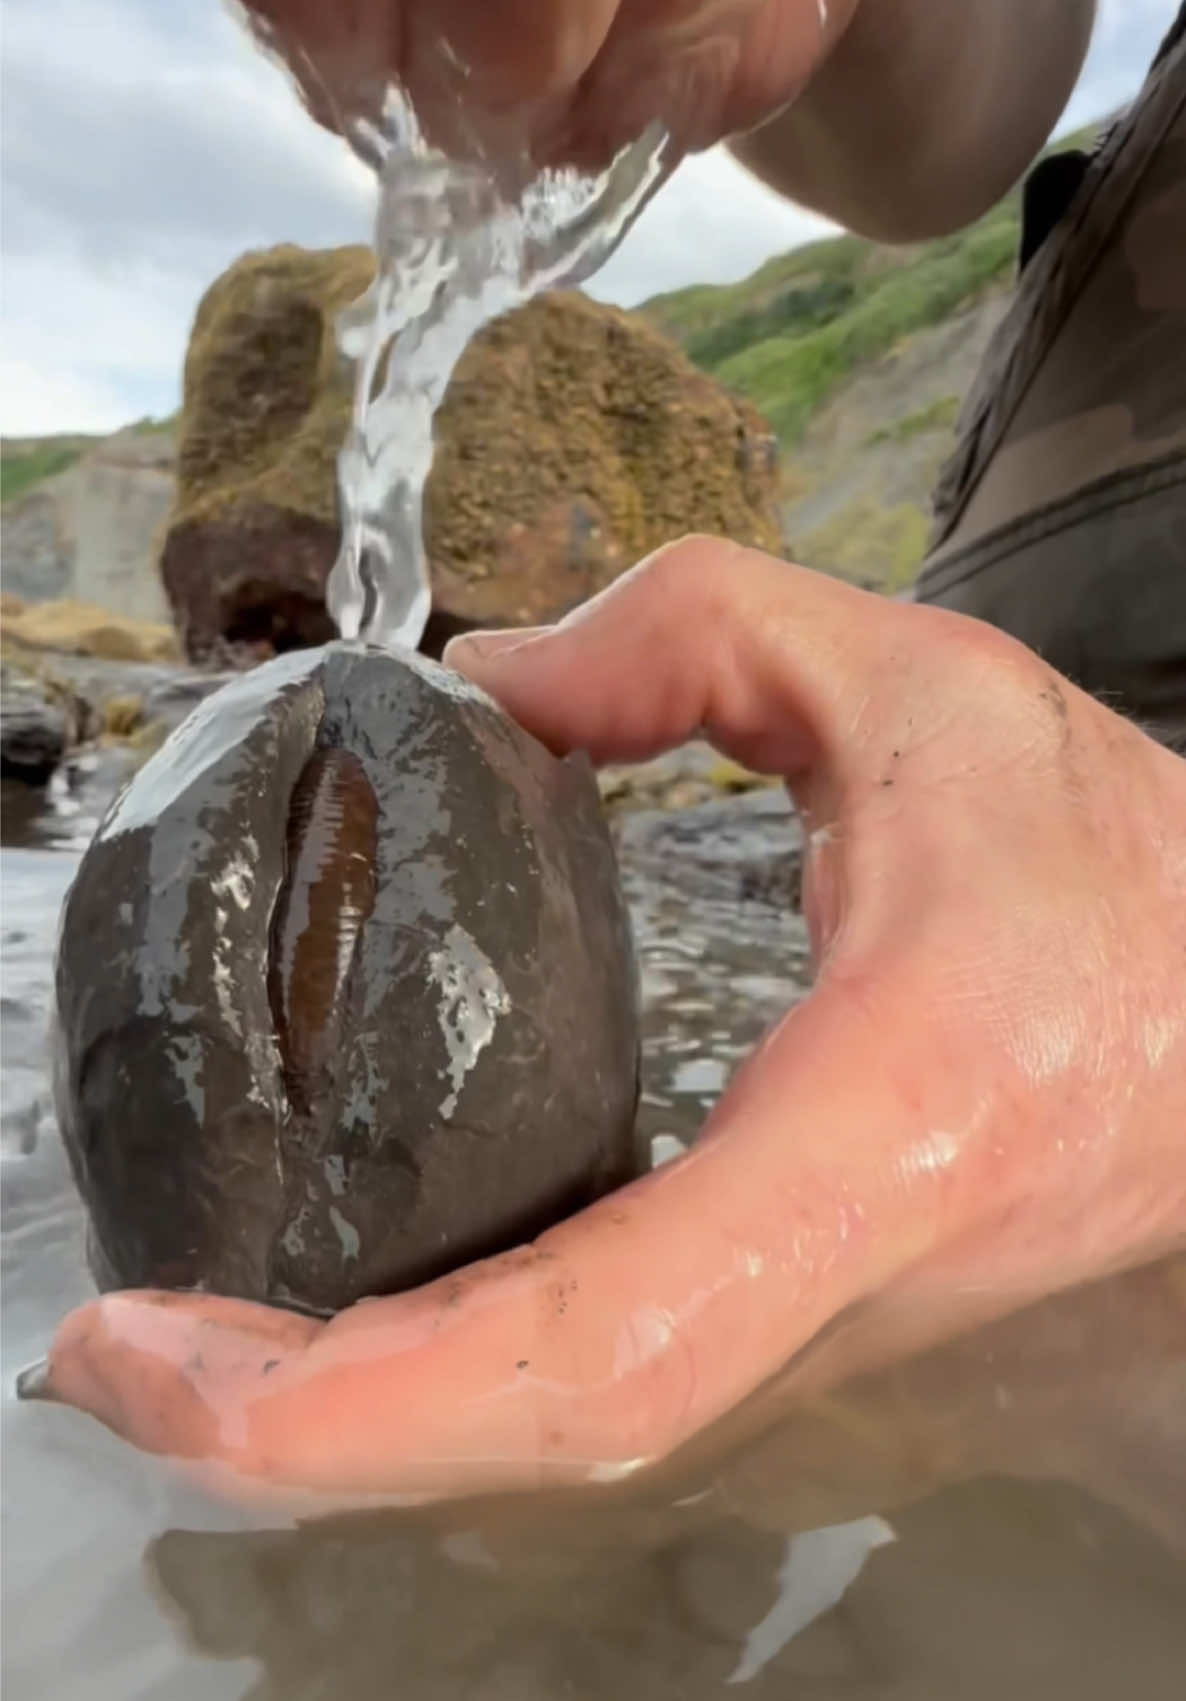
1005,1516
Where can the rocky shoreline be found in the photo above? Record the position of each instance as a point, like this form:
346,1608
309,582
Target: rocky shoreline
56,705
118,688
74,677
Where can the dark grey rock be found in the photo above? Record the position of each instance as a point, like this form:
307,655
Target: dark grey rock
345,994
35,728
170,697
167,692
747,848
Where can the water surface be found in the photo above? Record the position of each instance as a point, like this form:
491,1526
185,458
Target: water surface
1005,1517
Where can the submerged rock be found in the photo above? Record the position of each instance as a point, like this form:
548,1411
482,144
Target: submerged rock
35,727
345,993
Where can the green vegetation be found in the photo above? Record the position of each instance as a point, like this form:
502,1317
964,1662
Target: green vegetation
938,415
25,462
702,308
787,336
148,425
868,544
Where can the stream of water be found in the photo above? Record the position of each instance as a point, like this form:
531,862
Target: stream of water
457,244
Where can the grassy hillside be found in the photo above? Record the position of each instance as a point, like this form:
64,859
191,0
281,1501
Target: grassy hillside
786,336
857,353
25,461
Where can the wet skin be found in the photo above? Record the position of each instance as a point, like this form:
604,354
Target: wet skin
1085,1388
982,1101
573,82
589,1588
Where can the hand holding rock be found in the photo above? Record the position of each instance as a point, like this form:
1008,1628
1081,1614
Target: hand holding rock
983,1099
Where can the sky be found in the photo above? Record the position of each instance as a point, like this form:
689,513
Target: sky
146,143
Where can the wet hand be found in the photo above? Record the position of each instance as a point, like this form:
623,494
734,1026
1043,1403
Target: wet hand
578,78
983,1099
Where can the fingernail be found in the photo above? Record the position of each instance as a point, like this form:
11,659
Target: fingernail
460,648
34,1383
485,647
459,651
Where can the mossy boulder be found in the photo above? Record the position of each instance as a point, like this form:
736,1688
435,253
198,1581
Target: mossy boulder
573,439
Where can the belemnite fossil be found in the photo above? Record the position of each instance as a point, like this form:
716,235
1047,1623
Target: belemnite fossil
345,991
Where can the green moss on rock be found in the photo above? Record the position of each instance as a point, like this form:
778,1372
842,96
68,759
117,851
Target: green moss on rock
573,439
267,396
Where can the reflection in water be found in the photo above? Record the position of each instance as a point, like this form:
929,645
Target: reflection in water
1032,1476
723,953
64,816
819,1567
1030,1525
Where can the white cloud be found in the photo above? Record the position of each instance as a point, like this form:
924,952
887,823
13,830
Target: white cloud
144,147
711,224
44,397
92,358
1127,35
147,143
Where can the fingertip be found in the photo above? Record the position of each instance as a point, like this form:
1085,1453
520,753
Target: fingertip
35,1382
68,1375
474,652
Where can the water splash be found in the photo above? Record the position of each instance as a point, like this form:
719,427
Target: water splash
457,243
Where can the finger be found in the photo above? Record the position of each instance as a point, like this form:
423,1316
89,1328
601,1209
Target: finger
338,55
702,70
510,53
772,662
458,61
787,671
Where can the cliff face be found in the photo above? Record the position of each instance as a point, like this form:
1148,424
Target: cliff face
91,529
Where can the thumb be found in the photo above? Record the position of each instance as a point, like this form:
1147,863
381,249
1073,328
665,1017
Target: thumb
775,664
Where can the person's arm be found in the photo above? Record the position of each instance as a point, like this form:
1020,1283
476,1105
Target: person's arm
926,112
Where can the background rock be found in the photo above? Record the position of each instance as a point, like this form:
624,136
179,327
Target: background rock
253,532
740,846
35,727
92,531
82,629
573,439
77,677
856,353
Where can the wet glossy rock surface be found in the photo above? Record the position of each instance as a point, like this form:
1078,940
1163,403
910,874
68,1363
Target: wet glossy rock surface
345,992
34,729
